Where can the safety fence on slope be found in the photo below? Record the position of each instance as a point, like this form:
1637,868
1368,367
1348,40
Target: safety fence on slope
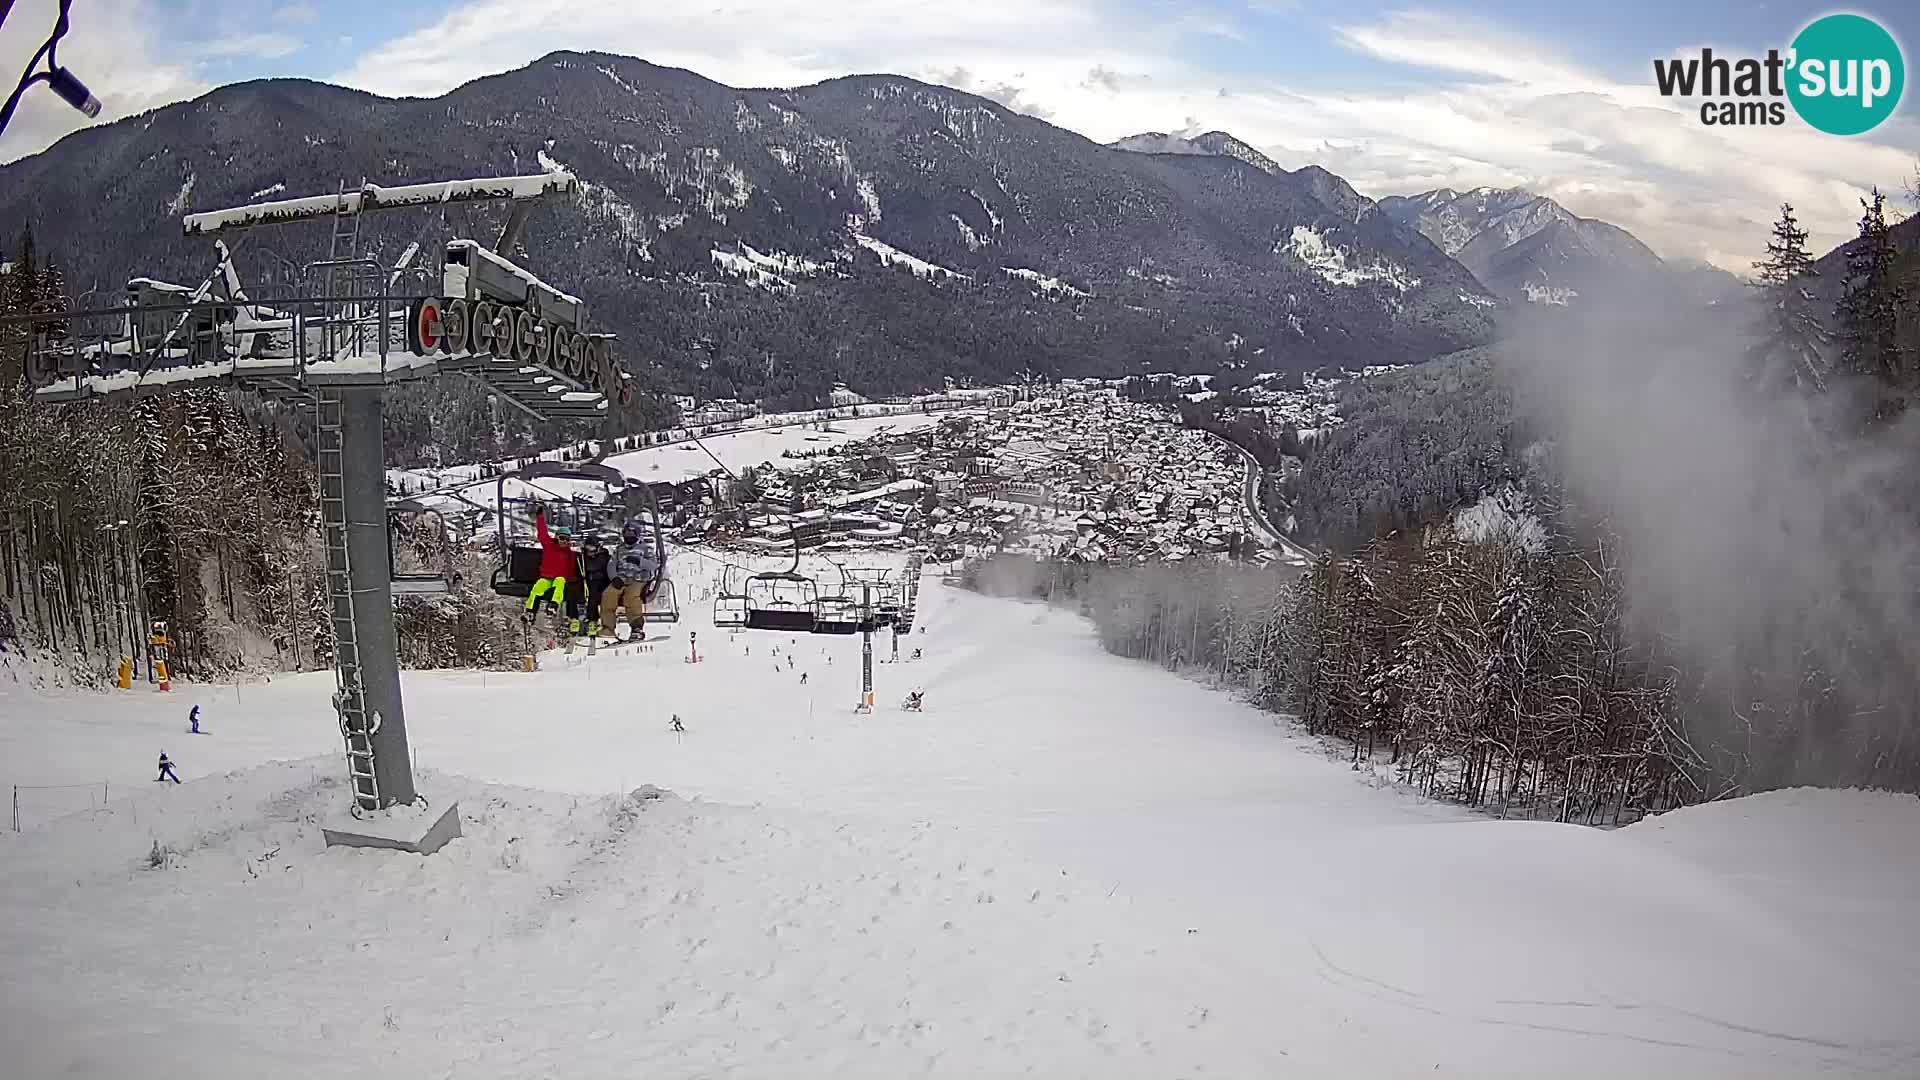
41,803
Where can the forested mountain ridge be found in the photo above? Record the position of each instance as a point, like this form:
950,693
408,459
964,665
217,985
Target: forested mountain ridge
1338,195
767,243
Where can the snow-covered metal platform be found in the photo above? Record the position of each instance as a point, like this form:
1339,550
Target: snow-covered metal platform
419,828
532,388
352,322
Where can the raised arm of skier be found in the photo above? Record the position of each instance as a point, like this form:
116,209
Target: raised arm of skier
556,556
557,565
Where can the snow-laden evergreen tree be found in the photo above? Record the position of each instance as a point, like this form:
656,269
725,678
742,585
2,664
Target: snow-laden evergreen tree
1870,313
1792,346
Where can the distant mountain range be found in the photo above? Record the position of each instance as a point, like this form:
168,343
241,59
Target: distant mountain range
870,230
1528,248
1521,246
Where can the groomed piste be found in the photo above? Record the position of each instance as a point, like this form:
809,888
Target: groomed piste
1068,865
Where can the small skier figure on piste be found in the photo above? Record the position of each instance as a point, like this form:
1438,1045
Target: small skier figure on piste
166,770
676,725
193,719
914,700
558,566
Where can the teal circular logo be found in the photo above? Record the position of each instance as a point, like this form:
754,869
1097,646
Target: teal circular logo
1846,74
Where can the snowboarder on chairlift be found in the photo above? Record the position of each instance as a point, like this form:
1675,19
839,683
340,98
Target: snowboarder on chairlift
557,565
594,560
166,770
634,569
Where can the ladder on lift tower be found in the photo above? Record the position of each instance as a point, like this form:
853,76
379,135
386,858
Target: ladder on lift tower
346,232
342,325
349,699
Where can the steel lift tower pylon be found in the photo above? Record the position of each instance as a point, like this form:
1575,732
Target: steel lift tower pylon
353,327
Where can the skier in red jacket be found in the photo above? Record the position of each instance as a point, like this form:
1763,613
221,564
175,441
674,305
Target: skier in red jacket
558,566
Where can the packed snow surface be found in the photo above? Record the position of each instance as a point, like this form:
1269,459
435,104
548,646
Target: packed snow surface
1069,865
758,446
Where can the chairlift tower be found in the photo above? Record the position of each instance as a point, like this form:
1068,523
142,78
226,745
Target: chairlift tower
870,579
352,328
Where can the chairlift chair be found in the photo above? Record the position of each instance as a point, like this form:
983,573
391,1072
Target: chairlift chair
730,604
401,513
519,555
867,600
660,601
838,614
782,600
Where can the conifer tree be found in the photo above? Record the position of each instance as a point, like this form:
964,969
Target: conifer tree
1792,349
1870,314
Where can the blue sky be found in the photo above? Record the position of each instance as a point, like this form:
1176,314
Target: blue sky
1396,97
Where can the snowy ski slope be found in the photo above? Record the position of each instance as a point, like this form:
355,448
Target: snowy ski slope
678,461
1069,865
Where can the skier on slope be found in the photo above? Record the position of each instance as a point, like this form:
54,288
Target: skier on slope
557,566
166,770
633,570
193,719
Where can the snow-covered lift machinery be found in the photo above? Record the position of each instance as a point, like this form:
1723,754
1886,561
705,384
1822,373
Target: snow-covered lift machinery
351,327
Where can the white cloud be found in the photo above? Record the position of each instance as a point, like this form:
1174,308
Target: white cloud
111,47
258,45
1612,149
747,42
